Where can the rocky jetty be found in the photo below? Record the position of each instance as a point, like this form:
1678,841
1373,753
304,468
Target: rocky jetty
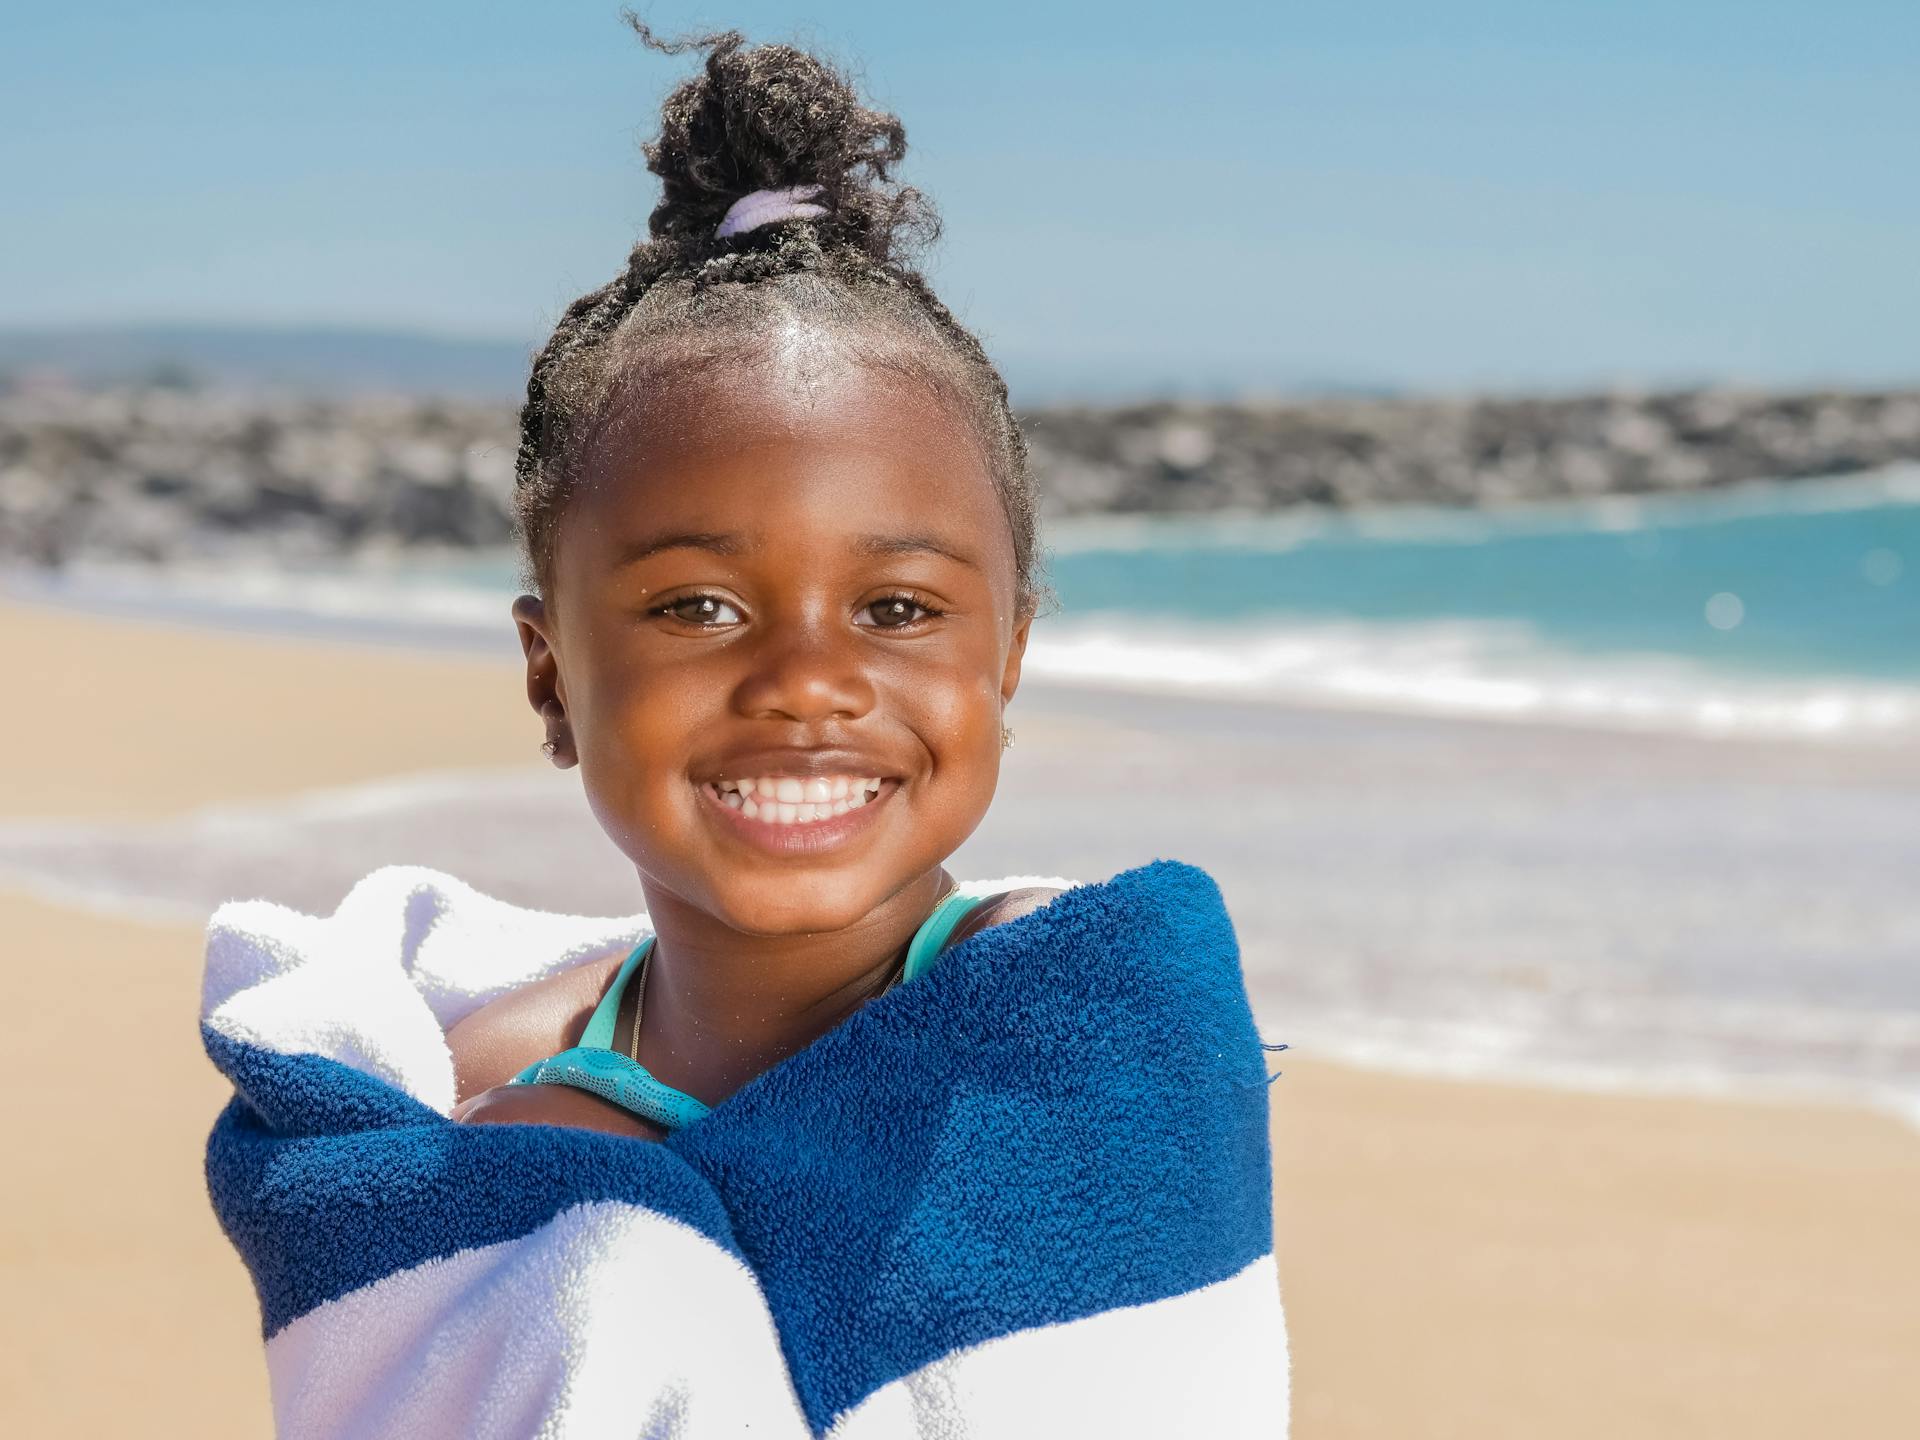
162,473
1458,452
165,474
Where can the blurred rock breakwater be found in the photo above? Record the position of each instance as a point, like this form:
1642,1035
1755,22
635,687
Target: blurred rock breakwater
169,473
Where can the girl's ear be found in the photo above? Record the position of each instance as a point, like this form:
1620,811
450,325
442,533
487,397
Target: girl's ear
544,691
1016,652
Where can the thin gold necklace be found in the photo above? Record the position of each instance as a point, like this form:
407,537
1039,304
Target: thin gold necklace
900,970
639,999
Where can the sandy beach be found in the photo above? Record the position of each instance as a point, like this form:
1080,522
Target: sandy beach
1459,1257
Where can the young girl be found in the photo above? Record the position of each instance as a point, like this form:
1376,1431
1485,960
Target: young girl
782,541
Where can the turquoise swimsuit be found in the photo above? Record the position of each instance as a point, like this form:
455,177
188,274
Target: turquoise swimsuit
595,1066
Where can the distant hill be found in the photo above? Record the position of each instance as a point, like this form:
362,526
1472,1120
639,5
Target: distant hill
311,360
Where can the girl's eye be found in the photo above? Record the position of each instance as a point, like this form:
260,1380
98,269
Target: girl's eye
700,610
896,612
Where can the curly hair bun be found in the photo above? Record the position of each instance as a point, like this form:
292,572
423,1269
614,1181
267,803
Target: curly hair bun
762,118
767,117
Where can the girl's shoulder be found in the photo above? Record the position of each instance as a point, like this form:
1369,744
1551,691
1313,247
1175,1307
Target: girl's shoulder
501,1038
1000,907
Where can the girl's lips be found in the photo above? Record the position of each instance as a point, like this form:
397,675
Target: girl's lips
801,837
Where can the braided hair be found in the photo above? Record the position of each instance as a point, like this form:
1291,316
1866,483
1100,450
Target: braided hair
758,118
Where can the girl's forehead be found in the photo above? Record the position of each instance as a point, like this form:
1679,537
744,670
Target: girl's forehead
782,450
794,440
818,391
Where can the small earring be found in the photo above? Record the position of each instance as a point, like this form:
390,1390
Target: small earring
550,748
1006,738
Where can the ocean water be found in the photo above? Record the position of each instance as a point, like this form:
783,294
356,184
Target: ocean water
1565,901
1783,608
1771,609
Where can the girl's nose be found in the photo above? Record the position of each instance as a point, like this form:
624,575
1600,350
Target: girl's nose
804,672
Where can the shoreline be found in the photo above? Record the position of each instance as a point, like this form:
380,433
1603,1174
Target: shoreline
1428,1062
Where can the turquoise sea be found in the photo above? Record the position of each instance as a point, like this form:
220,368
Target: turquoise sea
1766,609
1804,589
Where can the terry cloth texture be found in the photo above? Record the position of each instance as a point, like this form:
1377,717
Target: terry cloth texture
1027,1194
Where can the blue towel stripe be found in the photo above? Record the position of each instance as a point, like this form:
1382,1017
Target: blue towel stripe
316,1214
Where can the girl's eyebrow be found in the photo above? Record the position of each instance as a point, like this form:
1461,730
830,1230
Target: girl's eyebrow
726,543
912,544
634,551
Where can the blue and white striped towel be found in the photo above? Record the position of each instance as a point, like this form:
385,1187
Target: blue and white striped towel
1026,1195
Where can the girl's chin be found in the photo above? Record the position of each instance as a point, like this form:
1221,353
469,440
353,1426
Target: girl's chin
816,905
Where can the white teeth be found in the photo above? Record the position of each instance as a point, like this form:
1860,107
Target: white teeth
789,800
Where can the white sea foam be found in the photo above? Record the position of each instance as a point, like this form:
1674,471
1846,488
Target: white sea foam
364,601
1458,1052
1620,1032
1469,668
1497,670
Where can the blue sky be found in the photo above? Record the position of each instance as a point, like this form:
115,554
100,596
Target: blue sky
1200,196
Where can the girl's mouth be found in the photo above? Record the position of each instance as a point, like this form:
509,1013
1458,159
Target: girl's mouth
789,813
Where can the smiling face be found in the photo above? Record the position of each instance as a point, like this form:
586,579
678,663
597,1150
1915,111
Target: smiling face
780,630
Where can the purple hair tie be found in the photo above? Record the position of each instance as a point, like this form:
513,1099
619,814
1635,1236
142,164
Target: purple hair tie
764,207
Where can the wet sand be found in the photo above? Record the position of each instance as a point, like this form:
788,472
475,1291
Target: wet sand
1459,1259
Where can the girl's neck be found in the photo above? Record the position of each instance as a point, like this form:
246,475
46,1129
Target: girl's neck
721,1007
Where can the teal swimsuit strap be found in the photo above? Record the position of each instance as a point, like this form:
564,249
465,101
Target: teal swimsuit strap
594,1065
599,1031
931,938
